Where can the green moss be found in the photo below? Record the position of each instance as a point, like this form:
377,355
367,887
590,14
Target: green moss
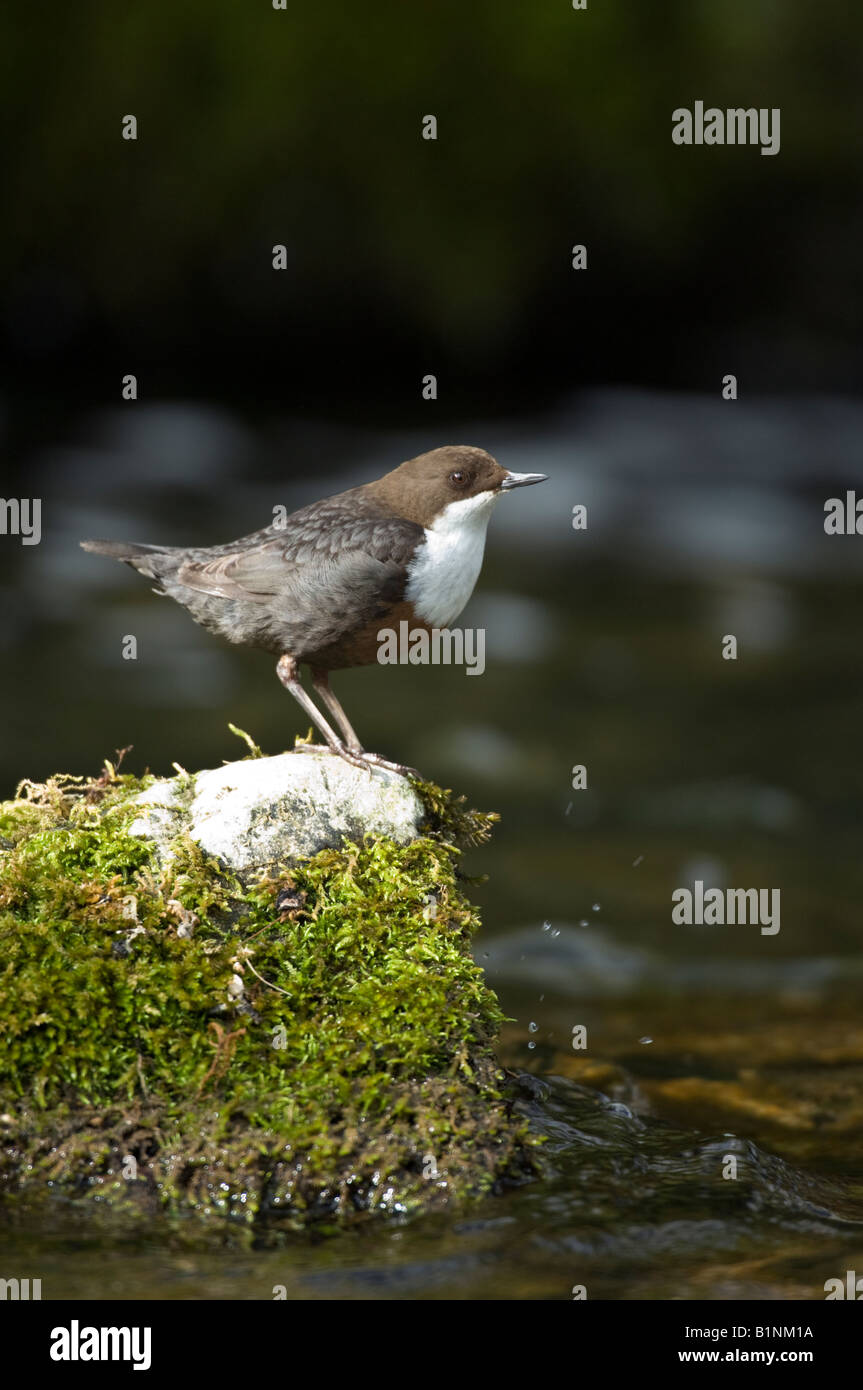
254,750
318,1044
449,817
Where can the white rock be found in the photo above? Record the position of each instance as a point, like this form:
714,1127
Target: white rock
263,811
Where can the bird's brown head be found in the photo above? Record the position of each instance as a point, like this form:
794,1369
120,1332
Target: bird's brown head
424,487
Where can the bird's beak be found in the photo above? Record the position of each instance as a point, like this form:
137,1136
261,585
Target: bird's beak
522,480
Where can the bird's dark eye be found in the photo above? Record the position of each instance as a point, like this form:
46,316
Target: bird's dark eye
458,478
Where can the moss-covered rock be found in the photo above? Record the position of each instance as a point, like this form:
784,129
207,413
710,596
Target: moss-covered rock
316,1044
260,812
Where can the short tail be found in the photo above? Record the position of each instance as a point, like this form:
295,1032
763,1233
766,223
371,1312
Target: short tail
140,557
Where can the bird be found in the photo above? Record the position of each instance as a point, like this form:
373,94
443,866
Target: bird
316,587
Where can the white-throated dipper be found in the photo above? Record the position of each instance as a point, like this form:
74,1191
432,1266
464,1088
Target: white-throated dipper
317,588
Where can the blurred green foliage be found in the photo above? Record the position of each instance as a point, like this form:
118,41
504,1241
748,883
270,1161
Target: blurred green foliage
303,126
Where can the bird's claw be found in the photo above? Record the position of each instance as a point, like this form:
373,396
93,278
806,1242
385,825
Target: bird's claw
400,768
350,755
360,758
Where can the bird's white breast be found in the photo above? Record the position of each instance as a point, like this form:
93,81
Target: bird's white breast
445,568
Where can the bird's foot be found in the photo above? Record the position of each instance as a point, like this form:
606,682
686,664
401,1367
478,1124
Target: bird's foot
357,757
377,761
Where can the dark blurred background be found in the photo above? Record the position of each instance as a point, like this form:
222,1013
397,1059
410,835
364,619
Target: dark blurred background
406,257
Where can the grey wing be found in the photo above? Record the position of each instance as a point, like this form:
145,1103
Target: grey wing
304,588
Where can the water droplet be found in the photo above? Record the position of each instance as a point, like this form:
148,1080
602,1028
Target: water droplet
546,926
583,922
556,931
533,1027
645,1040
596,907
531,1045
